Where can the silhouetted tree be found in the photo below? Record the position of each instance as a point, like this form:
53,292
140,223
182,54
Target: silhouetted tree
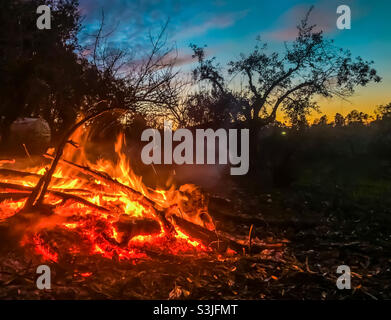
383,111
147,82
339,120
355,117
322,121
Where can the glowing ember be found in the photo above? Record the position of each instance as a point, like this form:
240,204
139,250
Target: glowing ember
44,250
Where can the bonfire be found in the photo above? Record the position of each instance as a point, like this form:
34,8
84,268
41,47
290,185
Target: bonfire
77,206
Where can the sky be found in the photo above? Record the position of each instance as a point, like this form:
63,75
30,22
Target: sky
229,28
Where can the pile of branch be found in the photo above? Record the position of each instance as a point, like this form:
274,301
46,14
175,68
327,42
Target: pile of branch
210,239
35,196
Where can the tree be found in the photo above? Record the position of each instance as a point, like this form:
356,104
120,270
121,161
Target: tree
205,108
41,72
381,142
339,120
147,81
322,121
310,66
297,116
355,117
383,111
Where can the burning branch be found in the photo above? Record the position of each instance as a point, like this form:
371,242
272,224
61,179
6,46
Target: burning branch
36,198
7,161
64,196
213,239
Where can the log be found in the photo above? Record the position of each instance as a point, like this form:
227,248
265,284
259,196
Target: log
212,239
13,196
87,203
203,235
195,231
9,173
7,161
13,186
59,194
131,227
17,174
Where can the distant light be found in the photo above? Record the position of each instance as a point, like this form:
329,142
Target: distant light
283,133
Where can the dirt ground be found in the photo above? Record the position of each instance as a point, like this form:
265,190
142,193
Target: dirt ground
304,250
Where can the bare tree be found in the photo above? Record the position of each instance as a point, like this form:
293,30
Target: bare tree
144,81
151,82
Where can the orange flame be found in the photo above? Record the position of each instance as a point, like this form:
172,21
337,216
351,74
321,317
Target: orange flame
95,227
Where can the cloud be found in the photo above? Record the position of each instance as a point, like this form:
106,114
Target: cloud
282,34
218,22
130,21
184,59
127,21
140,10
323,16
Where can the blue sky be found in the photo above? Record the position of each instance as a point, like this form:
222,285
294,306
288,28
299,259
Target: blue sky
231,27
